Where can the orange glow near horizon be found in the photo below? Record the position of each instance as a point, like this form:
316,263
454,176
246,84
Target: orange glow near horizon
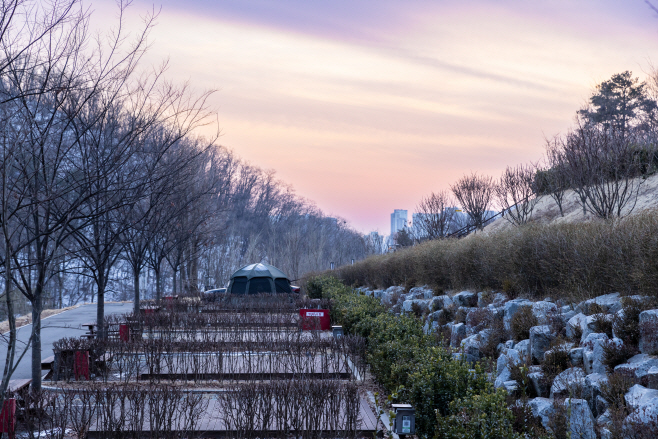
365,126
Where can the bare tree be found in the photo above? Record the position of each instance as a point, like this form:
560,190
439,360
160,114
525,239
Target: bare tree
516,193
605,167
48,87
475,194
434,217
554,180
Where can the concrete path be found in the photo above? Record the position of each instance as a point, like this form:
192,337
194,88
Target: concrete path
65,324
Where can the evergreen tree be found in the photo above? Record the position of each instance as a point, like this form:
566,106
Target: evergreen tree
620,103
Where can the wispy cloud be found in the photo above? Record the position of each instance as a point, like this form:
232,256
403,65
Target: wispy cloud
366,106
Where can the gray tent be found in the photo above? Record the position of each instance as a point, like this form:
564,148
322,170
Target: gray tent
259,278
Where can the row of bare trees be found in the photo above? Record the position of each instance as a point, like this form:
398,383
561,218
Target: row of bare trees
114,410
604,159
302,408
103,176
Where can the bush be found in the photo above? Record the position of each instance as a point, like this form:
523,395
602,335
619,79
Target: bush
557,259
614,354
603,324
521,323
477,417
316,285
617,385
627,324
496,336
479,319
557,324
556,360
460,315
526,423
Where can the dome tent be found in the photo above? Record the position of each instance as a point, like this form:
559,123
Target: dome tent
259,278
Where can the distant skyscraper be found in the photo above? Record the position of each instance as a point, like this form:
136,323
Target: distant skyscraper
398,220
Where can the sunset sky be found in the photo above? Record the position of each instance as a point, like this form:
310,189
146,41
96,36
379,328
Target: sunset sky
367,106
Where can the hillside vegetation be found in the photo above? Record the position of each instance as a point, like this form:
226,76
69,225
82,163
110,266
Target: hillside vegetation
581,259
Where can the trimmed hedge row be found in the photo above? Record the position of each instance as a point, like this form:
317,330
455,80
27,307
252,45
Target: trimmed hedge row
451,399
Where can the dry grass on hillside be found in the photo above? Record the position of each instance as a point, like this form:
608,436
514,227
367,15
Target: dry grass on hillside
560,259
547,212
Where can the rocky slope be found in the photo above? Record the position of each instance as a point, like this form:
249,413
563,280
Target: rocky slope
570,362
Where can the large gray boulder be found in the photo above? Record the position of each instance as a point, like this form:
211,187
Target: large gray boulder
458,333
571,382
611,303
423,292
538,383
440,302
639,396
576,356
540,341
506,358
649,332
392,295
512,307
504,376
593,355
511,386
652,377
566,315
465,299
421,304
484,299
581,420
644,415
595,381
638,364
473,344
543,409
577,323
542,310
523,348
499,299
430,327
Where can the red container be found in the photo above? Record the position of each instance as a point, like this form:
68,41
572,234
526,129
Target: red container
81,365
8,417
315,319
124,332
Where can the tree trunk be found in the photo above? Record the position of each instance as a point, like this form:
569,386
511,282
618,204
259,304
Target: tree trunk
100,307
36,341
158,285
11,346
136,286
175,280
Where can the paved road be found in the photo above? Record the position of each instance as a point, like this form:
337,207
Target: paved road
65,324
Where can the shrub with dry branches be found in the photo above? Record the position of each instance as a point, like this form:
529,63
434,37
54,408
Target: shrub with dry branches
516,193
474,193
435,216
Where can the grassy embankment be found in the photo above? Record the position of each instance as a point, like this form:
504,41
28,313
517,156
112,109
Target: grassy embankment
571,261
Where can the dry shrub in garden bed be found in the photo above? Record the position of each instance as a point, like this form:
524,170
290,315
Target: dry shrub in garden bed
266,358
